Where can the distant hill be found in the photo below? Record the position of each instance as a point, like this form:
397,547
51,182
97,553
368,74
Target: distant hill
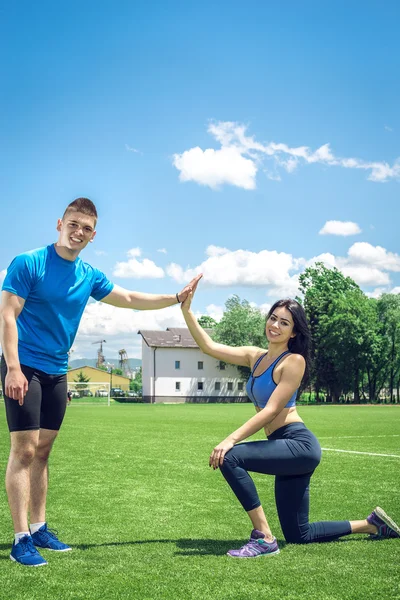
134,363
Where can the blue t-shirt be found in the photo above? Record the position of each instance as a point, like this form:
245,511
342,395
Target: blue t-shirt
56,292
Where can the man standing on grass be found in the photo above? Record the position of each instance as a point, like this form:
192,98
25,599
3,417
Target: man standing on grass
44,295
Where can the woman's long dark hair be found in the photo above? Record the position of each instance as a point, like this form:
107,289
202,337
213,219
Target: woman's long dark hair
301,343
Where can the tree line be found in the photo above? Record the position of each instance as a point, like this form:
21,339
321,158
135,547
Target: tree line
355,355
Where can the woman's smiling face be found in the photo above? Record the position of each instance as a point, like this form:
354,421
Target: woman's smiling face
280,325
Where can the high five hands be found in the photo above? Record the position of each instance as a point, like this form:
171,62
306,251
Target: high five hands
186,295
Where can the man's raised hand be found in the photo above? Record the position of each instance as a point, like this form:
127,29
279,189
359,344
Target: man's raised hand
189,288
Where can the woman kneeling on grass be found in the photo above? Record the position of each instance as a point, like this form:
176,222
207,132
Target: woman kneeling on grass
291,452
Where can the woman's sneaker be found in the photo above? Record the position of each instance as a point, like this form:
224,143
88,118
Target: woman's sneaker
26,554
255,547
46,538
387,528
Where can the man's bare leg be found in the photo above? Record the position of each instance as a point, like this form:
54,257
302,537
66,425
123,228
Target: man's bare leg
22,454
39,476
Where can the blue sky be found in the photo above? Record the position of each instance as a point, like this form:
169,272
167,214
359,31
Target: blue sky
220,137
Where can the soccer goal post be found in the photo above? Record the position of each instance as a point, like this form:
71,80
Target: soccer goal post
90,392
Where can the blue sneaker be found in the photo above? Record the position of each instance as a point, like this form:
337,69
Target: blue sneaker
46,538
26,554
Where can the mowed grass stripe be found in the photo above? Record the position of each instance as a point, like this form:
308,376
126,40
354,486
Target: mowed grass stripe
131,490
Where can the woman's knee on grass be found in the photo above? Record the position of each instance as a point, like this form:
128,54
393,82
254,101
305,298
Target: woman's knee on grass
296,535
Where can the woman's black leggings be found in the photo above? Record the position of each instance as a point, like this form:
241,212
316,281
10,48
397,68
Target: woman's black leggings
291,453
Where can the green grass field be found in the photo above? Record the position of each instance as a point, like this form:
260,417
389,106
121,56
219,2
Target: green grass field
131,490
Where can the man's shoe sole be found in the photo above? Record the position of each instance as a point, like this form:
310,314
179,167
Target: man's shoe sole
43,564
386,519
53,549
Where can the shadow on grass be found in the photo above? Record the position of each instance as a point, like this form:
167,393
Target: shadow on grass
186,546
210,547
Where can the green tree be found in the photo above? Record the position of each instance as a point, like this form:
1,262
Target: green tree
241,325
207,322
136,384
82,381
114,371
340,316
376,361
389,317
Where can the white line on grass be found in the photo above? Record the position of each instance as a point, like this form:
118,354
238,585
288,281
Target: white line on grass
357,452
344,437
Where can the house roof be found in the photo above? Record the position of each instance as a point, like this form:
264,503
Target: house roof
173,337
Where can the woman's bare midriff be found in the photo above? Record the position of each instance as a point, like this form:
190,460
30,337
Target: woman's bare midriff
286,416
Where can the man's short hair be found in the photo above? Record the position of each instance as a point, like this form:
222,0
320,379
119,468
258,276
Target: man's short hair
82,205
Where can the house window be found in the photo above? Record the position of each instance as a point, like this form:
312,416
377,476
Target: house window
200,365
177,386
230,386
177,364
217,386
222,365
240,386
200,386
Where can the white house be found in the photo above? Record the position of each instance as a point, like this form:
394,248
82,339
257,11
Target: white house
174,369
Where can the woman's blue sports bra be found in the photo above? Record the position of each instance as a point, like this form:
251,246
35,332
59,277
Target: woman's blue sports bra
259,389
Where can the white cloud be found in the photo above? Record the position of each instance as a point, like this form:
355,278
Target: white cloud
216,167
368,265
215,311
119,328
343,228
288,288
134,252
216,250
144,269
326,258
279,272
162,250
365,253
366,275
101,253
265,307
376,293
238,159
3,273
388,128
130,149
239,267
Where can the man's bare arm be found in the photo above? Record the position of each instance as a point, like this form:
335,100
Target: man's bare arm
123,298
16,384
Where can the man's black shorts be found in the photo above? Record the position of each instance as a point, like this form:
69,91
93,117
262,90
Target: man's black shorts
44,404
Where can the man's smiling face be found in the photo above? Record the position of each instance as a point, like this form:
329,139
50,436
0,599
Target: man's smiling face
76,230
